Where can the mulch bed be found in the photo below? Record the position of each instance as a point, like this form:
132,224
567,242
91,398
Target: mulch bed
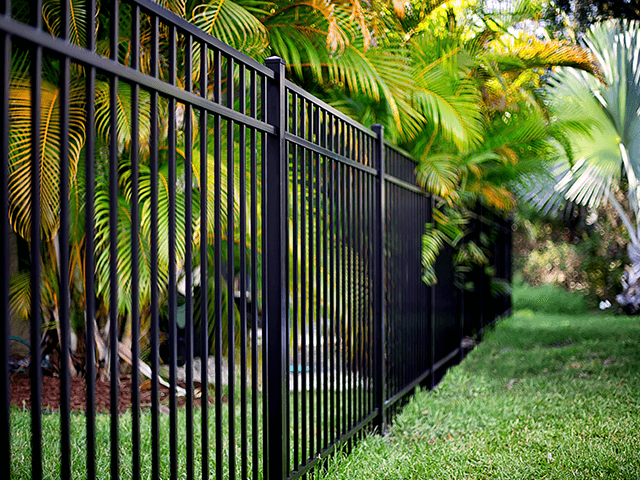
21,393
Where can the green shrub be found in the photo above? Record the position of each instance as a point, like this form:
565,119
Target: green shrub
547,298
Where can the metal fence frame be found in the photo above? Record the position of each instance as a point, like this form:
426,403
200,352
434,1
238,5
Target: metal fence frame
343,221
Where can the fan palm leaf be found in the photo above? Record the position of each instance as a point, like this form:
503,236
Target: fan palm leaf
612,145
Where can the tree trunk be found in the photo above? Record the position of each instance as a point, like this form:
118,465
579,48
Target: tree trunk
72,368
629,299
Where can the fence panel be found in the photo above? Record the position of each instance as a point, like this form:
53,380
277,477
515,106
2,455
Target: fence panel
150,181
331,218
229,268
446,313
409,302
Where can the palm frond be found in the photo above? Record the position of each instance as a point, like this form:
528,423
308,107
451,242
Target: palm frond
544,54
455,111
443,92
433,241
78,21
233,24
179,7
447,228
20,295
438,174
20,152
124,118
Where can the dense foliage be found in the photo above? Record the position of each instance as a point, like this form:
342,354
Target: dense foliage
600,156
581,14
456,83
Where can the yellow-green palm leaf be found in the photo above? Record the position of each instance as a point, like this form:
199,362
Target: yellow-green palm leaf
78,21
20,152
233,24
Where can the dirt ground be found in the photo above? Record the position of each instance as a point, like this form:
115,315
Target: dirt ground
21,393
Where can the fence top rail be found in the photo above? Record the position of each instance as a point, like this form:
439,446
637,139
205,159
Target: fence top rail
399,150
200,35
85,57
292,87
483,219
491,223
414,188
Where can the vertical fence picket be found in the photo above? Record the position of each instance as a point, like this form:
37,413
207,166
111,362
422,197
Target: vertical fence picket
343,290
304,286
295,276
362,260
253,93
331,292
432,313
231,270
155,317
312,286
204,261
217,126
135,174
5,441
63,238
325,297
265,287
188,258
172,293
338,315
89,281
379,315
36,319
243,274
113,244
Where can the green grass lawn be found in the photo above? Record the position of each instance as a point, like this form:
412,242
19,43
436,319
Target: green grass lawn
21,438
543,396
21,448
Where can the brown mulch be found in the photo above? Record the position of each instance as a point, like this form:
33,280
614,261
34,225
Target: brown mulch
21,393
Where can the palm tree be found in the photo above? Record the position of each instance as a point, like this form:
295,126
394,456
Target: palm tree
441,85
413,68
603,155
20,165
503,117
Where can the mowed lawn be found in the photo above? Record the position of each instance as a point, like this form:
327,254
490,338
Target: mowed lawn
543,396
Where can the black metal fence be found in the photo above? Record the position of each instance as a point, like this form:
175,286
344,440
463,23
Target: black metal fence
179,204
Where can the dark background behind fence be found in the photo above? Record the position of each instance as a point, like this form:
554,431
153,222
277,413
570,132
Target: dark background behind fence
287,236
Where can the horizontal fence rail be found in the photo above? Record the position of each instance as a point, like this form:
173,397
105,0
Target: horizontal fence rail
218,274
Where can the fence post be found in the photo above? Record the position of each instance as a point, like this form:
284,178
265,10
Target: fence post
461,321
432,313
275,255
5,332
379,327
508,254
480,287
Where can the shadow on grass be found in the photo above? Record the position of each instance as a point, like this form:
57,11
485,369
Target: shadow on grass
580,346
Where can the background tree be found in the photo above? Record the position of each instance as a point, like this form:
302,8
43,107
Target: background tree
581,14
504,64
603,158
455,83
20,165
